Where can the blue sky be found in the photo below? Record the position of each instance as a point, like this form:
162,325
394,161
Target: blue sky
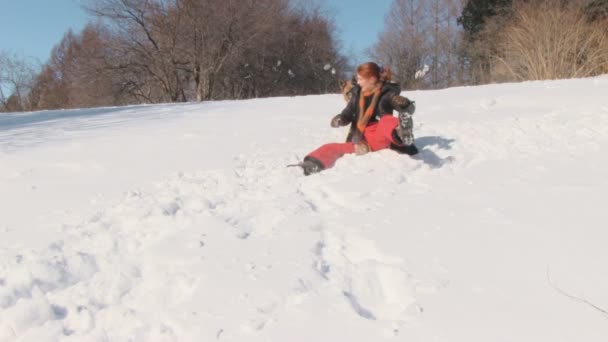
32,27
358,24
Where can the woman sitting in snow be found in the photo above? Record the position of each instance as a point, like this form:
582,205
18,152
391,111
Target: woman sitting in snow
374,128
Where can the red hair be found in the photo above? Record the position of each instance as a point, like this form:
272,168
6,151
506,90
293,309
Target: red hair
371,69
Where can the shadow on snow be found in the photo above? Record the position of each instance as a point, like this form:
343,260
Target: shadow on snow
427,155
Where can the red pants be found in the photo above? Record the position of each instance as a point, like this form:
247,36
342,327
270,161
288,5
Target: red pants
377,135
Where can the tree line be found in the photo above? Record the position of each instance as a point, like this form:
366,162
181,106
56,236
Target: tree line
153,51
442,43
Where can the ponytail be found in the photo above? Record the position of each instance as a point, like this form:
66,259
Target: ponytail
385,74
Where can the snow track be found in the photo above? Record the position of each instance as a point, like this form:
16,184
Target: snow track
188,238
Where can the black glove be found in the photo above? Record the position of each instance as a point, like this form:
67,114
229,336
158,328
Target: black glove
403,104
338,121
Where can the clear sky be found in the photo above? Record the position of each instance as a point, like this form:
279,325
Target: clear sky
32,27
358,24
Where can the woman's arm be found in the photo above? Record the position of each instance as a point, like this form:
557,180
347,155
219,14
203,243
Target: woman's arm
386,104
348,113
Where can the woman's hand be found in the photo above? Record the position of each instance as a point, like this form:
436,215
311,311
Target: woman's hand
338,121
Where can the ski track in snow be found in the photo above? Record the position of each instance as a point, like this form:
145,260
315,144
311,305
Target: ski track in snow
166,246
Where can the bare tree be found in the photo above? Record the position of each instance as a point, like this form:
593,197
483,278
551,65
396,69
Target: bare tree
92,83
297,55
419,33
146,46
444,41
75,76
16,76
402,42
176,50
219,32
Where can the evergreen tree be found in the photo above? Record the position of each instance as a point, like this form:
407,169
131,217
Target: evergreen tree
597,10
476,12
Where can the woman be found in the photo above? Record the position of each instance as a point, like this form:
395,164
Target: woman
373,126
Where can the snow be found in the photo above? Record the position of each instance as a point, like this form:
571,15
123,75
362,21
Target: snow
421,73
180,222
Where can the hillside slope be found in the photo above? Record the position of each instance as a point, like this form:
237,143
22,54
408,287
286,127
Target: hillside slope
181,222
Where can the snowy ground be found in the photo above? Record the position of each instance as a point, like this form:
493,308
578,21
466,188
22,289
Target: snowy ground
181,223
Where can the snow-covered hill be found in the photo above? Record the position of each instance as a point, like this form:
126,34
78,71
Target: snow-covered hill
181,222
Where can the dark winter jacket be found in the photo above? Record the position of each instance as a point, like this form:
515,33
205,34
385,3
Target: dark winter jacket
384,107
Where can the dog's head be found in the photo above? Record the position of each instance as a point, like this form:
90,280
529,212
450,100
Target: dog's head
345,87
